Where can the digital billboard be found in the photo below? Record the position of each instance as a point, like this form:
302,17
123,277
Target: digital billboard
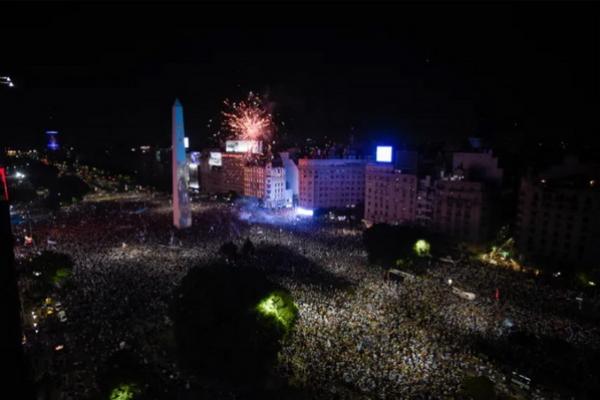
243,146
384,154
195,157
215,159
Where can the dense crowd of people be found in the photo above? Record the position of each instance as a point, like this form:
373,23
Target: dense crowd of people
356,332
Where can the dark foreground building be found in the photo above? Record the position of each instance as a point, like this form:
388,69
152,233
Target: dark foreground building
558,220
14,372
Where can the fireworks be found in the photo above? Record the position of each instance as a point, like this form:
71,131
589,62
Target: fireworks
249,119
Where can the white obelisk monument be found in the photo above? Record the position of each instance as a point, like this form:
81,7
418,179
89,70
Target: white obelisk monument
182,216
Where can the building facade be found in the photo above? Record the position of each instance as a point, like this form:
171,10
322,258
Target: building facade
558,218
478,166
267,183
461,209
425,196
390,195
331,183
292,181
224,178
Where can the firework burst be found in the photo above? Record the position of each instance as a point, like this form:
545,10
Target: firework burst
249,119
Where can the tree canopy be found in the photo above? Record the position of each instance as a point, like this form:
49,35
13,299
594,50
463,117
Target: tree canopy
229,322
385,243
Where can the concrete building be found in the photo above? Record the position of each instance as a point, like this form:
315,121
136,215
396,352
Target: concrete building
292,181
210,174
461,209
232,178
267,184
390,195
225,177
558,218
478,166
424,202
331,183
16,374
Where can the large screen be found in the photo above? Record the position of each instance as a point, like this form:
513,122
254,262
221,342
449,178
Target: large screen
215,159
243,146
384,153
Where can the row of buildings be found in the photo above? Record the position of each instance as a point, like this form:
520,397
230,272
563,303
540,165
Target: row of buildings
558,211
457,202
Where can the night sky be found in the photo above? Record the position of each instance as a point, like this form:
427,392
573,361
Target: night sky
108,74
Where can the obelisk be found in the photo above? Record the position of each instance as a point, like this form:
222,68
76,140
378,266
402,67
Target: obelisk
182,216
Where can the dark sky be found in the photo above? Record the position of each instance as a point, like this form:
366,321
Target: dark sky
108,74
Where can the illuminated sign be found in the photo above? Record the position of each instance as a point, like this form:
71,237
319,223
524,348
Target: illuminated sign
304,212
195,157
186,142
243,146
52,141
3,182
215,159
384,153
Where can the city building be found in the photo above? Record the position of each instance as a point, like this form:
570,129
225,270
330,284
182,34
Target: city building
390,195
13,359
331,183
478,166
558,217
424,202
266,183
461,209
292,181
223,173
232,175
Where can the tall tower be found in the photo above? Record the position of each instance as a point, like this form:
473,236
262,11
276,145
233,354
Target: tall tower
182,216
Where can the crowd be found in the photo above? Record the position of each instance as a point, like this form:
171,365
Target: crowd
356,332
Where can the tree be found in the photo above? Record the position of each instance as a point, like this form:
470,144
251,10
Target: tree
385,243
124,377
478,388
55,268
229,323
248,248
71,187
229,250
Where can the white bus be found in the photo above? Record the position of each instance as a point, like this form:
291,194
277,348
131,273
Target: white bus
462,294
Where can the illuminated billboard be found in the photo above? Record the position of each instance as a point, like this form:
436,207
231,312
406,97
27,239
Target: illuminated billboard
304,212
215,159
384,154
4,190
243,146
195,157
52,141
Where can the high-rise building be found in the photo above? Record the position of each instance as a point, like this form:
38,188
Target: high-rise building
558,218
331,183
267,183
425,197
461,209
232,173
478,166
390,195
458,205
292,181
